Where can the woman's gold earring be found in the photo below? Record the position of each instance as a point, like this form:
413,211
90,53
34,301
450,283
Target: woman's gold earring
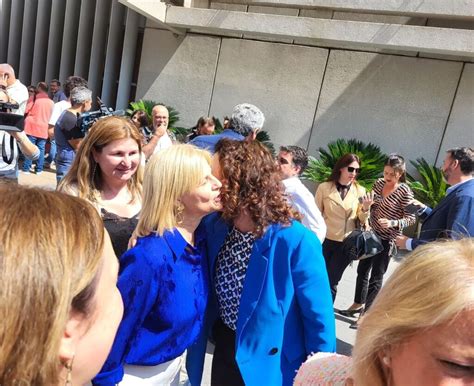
68,366
179,212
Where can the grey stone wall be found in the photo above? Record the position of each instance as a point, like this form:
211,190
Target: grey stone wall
312,95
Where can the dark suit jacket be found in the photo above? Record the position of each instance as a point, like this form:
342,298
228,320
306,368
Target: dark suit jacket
453,217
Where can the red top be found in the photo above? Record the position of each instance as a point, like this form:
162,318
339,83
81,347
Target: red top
39,112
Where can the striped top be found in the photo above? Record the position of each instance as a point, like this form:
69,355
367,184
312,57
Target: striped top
391,207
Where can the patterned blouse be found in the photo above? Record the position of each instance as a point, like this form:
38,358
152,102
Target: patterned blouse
391,207
232,262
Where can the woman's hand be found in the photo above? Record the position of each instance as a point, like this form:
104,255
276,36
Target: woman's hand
367,200
385,223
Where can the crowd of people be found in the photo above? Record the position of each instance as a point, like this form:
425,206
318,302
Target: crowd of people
149,249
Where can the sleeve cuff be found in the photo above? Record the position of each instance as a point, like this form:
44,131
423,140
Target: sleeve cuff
408,245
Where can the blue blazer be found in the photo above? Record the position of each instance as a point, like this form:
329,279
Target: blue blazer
453,217
286,310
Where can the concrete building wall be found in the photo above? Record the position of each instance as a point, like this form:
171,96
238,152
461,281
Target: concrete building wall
53,39
460,128
313,95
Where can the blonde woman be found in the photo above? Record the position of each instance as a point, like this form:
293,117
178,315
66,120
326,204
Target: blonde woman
163,279
419,331
107,172
60,307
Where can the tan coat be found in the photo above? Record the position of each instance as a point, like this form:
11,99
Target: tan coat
340,215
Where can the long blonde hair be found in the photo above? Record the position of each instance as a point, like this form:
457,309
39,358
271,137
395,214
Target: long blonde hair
432,287
84,175
50,257
168,175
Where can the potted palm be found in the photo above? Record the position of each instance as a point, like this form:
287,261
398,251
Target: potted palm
431,187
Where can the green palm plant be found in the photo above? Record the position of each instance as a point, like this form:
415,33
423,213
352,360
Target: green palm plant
264,138
372,160
431,187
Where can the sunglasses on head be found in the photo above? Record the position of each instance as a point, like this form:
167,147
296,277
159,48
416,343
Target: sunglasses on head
350,169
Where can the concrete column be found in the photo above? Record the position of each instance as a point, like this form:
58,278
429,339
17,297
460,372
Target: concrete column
55,39
14,36
41,41
84,38
5,9
27,41
68,48
99,40
114,48
128,59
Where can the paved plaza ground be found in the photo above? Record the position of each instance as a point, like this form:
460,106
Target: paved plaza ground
345,335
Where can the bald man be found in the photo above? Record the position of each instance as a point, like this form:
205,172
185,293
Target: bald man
159,138
12,91
16,91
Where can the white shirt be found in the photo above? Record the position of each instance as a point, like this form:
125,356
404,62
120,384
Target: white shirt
58,109
163,143
302,200
9,155
19,93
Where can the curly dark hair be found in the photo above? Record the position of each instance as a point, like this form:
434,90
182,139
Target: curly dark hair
251,181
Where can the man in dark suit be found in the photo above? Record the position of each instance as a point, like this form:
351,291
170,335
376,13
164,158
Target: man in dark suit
453,217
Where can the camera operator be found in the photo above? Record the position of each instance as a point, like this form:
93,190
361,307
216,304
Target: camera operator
67,133
13,91
16,91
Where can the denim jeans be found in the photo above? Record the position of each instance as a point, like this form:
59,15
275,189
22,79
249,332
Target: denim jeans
40,143
64,158
52,151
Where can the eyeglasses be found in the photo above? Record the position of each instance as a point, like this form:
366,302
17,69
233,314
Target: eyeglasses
283,161
350,169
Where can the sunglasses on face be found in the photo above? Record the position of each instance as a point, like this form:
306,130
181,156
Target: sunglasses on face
350,169
283,161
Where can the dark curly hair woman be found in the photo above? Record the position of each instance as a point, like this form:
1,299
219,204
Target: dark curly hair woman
273,303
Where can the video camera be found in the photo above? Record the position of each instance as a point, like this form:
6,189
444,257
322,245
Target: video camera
86,120
10,121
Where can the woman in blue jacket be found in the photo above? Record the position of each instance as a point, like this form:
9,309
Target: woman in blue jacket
163,279
271,294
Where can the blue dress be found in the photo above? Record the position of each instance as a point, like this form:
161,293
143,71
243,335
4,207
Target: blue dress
164,285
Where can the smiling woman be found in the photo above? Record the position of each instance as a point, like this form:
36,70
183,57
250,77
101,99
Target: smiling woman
107,173
163,279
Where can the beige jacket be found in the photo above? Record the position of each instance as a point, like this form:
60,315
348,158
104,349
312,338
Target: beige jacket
340,215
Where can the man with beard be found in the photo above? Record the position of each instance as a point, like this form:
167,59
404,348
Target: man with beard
453,217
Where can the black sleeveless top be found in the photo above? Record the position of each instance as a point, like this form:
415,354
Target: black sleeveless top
120,229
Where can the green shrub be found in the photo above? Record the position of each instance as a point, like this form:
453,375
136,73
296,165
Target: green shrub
431,187
372,161
264,138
